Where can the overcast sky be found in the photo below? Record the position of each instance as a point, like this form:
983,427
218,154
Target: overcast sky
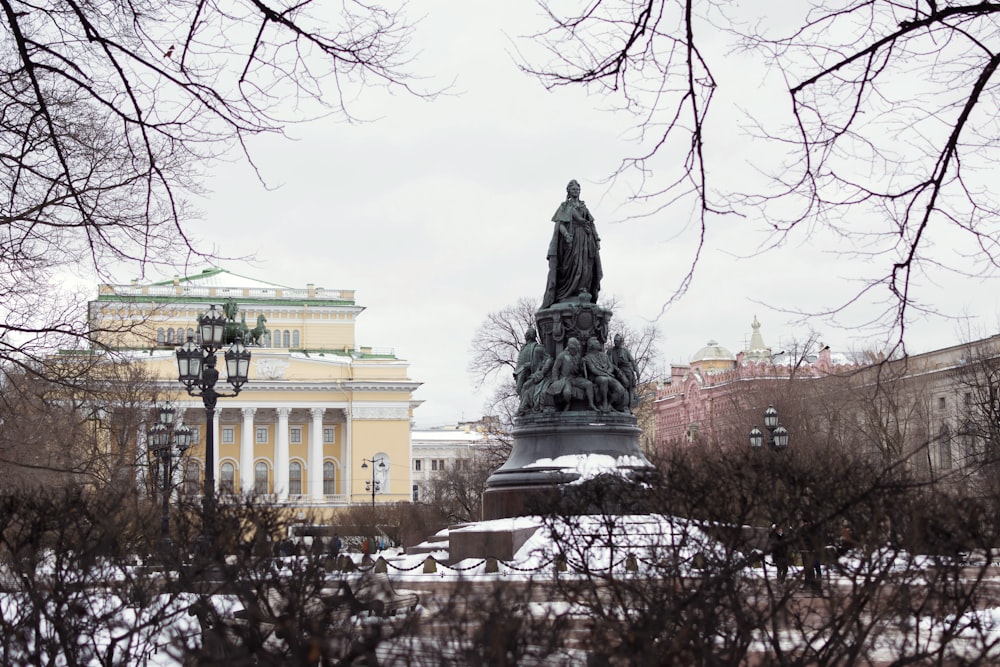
439,212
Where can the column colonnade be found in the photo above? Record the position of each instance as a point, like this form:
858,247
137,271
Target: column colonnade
313,488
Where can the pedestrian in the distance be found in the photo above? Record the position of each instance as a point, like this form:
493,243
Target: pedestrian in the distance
335,545
778,546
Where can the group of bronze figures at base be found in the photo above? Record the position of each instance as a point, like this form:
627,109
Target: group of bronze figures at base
605,379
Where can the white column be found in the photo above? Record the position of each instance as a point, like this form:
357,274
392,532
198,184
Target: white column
247,437
281,454
315,472
348,471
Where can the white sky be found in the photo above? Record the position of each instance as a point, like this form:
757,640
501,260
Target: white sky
438,213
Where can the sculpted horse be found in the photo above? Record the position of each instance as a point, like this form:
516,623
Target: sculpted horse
258,332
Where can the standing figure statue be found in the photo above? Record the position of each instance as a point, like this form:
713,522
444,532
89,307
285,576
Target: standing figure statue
523,369
568,378
625,370
609,394
574,252
232,332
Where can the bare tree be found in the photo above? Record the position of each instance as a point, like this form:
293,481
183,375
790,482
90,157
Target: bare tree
112,109
458,490
889,140
693,583
75,420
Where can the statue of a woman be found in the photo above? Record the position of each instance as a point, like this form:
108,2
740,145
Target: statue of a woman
574,253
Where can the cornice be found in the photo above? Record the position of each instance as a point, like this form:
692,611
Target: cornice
314,386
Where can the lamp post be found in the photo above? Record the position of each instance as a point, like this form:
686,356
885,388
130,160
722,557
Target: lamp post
777,441
197,372
777,436
166,444
373,485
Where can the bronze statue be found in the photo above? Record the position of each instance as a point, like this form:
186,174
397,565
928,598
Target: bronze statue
258,332
568,379
536,381
234,331
610,394
626,370
574,252
524,357
230,309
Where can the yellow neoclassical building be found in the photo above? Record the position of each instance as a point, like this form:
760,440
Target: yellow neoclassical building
316,406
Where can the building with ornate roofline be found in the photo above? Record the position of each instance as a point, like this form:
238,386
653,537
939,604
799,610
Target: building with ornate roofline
316,406
698,398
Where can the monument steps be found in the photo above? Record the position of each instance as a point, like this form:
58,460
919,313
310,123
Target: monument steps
436,542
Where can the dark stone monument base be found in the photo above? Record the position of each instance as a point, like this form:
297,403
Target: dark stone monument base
546,453
511,501
484,540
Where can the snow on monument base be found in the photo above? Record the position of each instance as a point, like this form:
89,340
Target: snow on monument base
555,452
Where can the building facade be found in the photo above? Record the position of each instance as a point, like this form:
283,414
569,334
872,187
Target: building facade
317,405
702,399
436,450
937,412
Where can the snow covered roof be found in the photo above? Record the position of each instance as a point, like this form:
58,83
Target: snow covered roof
712,352
446,436
216,277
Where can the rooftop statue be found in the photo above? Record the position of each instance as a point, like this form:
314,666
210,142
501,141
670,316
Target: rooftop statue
574,252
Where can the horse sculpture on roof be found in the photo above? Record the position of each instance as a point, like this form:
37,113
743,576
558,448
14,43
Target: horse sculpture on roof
256,335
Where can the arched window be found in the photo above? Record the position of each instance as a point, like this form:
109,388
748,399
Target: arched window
267,339
161,336
276,337
295,338
170,335
294,478
329,480
190,334
260,478
286,338
228,474
192,479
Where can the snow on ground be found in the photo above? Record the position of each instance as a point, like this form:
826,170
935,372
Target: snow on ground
626,545
601,542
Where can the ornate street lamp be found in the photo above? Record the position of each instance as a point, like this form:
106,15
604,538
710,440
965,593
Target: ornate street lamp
197,372
374,486
777,436
777,440
167,444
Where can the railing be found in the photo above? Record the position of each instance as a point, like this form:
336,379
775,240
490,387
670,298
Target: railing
183,289
298,499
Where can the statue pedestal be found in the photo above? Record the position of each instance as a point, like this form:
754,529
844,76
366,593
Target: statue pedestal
574,319
554,449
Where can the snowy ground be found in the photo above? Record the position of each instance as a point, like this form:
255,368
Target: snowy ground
629,546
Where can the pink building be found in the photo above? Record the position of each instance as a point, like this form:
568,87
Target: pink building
710,394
